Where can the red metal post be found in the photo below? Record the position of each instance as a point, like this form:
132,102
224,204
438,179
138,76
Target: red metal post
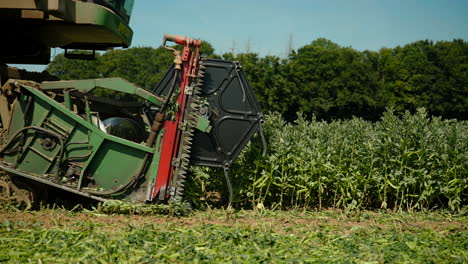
172,134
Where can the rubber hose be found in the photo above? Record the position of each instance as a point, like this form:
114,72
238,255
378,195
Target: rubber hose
171,91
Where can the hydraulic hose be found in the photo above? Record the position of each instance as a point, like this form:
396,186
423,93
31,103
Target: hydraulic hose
160,115
171,91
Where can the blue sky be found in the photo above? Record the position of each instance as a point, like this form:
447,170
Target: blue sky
265,26
268,24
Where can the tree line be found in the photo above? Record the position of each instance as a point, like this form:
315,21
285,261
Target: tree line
321,79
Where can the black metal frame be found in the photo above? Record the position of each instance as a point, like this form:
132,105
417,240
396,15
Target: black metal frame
234,113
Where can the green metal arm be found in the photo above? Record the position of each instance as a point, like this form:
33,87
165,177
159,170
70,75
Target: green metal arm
115,84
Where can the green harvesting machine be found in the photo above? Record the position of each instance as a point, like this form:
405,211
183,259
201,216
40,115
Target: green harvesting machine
63,135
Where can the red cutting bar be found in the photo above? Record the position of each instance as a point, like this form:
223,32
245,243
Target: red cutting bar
171,138
165,162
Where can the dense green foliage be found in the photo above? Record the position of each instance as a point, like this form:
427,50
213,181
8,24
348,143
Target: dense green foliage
329,81
413,162
321,78
143,66
290,237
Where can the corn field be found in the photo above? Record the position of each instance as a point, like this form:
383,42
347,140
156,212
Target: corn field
412,162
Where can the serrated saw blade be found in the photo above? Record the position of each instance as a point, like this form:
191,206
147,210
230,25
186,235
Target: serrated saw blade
190,118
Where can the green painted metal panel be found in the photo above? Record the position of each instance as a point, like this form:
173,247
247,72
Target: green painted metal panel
82,122
107,19
94,144
39,112
16,123
154,166
92,14
79,145
100,161
36,159
115,84
114,165
17,119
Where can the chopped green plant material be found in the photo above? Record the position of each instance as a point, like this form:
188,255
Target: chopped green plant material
120,207
226,236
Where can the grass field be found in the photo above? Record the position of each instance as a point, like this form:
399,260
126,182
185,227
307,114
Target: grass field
228,236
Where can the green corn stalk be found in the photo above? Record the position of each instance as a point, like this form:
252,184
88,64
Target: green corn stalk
412,162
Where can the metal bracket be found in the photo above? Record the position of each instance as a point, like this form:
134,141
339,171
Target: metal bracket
162,193
188,90
237,66
80,56
172,191
183,126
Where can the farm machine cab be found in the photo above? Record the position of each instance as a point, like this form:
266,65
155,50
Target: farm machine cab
32,27
63,134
